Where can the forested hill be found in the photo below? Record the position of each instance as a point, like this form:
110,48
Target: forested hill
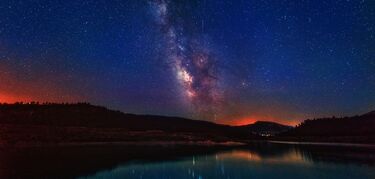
86,115
363,125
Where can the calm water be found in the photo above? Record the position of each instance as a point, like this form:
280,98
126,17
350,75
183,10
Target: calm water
265,161
254,161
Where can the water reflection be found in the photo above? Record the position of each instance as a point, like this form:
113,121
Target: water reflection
259,160
244,163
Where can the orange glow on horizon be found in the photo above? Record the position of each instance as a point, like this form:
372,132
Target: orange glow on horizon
251,120
46,89
244,121
10,99
6,98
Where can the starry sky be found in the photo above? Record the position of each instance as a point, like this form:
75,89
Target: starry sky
231,62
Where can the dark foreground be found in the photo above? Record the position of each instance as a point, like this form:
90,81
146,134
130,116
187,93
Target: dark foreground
256,160
45,124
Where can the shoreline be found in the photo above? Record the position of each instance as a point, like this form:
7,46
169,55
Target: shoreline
339,144
128,143
162,144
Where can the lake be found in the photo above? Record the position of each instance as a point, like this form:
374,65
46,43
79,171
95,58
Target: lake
258,160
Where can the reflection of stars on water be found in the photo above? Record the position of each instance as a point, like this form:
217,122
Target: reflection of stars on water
222,168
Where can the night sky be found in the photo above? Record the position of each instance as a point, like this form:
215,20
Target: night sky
230,62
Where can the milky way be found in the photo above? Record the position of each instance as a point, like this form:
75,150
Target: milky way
234,61
193,64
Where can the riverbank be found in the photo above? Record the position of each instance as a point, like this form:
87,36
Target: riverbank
326,139
335,144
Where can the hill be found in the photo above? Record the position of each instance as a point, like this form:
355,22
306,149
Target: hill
347,129
265,128
87,123
372,113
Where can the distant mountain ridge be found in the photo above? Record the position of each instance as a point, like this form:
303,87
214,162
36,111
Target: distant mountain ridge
266,128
